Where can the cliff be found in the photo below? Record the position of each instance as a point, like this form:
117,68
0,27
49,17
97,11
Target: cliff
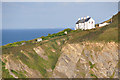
79,54
88,60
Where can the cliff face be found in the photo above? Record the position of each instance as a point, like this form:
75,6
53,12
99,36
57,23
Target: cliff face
77,60
88,60
31,60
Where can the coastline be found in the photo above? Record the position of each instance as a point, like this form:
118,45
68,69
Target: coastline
25,34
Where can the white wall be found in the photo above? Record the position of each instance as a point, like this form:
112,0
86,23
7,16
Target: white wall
86,25
103,24
38,40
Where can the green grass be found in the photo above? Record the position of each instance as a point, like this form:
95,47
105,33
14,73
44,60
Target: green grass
52,56
3,64
107,33
18,74
14,72
36,63
112,76
93,75
5,72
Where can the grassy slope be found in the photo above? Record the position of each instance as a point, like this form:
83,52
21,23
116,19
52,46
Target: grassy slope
37,62
107,33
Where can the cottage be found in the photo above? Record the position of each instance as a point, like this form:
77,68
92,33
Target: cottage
85,23
103,24
39,39
65,32
23,43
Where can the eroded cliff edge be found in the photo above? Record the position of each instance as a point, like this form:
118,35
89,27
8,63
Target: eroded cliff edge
88,60
76,60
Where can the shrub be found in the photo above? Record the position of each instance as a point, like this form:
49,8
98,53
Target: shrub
49,34
91,65
68,30
43,37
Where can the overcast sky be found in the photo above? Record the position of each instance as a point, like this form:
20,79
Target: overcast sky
34,15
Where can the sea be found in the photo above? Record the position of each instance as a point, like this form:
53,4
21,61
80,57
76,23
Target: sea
15,35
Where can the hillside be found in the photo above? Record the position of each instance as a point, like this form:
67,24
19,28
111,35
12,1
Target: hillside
79,54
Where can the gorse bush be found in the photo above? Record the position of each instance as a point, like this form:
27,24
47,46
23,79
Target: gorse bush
15,43
61,33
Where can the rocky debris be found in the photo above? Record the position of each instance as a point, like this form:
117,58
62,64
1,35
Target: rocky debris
40,52
91,59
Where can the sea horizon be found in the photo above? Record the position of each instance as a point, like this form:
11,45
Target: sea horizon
16,35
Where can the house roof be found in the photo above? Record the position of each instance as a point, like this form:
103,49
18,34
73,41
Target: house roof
83,20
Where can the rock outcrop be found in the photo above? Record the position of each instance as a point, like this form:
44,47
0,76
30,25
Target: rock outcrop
88,60
77,60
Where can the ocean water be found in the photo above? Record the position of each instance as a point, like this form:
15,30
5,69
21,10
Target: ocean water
10,36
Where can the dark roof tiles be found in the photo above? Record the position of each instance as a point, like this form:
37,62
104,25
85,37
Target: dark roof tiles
83,20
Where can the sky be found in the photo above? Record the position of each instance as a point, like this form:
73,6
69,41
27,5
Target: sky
39,15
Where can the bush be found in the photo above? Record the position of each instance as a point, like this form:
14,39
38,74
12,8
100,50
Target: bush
68,30
43,37
15,43
61,33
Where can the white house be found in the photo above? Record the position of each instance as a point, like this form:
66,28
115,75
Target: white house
65,32
23,43
39,39
103,24
85,23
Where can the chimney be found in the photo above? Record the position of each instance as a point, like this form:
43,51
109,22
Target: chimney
84,17
87,16
78,18
81,17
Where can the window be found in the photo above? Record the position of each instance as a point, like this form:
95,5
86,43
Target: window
92,22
